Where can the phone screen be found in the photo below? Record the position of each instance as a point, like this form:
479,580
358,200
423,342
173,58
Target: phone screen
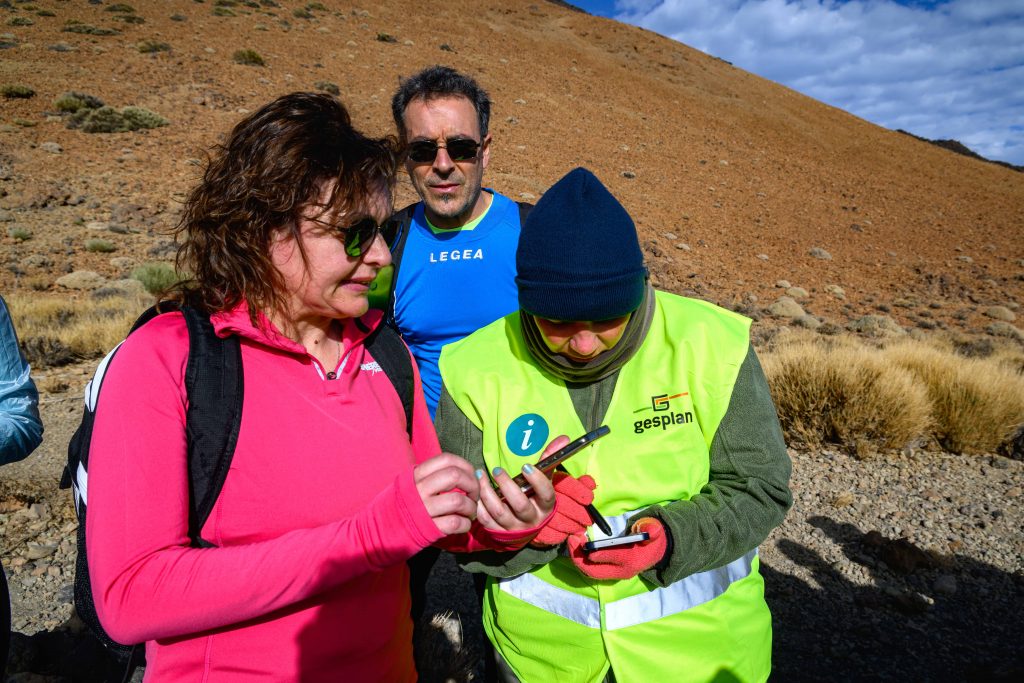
616,541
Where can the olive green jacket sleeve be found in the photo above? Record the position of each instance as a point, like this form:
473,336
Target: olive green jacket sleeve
747,494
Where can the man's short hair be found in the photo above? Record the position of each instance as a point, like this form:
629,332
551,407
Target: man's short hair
440,81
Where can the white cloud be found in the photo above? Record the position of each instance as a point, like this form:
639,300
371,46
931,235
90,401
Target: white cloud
950,69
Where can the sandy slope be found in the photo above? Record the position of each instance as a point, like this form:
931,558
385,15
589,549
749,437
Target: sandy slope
732,165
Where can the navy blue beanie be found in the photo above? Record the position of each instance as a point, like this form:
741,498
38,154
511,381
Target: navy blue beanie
578,257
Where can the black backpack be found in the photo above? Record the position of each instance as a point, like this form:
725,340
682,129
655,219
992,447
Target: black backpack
397,246
214,384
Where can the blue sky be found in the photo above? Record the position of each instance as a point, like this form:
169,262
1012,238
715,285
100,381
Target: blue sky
948,69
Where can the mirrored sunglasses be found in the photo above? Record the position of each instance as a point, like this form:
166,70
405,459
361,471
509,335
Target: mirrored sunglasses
459,149
359,236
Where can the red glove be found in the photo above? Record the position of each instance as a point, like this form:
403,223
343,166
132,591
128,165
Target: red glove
570,515
624,562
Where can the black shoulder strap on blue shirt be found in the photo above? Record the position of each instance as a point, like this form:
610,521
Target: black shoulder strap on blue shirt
404,220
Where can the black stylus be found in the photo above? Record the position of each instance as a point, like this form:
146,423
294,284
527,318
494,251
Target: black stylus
595,516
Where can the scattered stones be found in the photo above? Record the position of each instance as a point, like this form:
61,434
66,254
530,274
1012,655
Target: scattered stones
900,554
843,499
783,284
945,585
38,551
122,287
683,245
81,279
819,253
836,291
807,322
51,147
786,307
876,326
35,261
163,250
796,292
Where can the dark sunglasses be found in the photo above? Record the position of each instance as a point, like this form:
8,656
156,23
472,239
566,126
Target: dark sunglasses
360,235
459,149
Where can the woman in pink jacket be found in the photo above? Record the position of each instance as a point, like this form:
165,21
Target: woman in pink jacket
327,496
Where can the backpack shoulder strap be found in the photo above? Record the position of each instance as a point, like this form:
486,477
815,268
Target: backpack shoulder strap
214,382
391,353
404,220
524,211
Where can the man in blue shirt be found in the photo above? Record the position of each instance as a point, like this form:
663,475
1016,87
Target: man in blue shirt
454,261
455,264
20,432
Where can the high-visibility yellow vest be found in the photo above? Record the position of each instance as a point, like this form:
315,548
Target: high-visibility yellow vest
556,624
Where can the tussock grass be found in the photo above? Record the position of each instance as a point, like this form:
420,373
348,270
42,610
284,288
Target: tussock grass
152,46
110,120
70,102
14,91
74,26
967,396
248,58
845,394
977,403
57,330
328,87
156,276
100,246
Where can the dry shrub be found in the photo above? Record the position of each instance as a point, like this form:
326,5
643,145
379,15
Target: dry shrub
1011,358
842,392
56,330
977,403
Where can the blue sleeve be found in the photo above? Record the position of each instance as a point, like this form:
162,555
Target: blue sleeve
21,430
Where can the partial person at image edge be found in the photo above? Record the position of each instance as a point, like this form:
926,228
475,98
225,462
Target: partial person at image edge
21,432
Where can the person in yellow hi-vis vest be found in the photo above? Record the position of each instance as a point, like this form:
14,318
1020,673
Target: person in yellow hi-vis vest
695,458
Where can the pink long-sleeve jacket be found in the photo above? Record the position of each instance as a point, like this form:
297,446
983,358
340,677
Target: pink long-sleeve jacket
316,519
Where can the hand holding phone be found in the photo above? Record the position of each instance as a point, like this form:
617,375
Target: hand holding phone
622,560
504,506
548,464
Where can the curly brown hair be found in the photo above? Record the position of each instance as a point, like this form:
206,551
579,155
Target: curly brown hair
274,164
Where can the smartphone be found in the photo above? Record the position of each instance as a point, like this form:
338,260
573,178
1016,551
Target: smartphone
546,465
615,541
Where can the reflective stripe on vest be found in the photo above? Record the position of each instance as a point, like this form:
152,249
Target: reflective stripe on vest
680,596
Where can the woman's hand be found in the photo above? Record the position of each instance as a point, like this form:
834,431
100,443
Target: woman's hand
517,511
449,490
